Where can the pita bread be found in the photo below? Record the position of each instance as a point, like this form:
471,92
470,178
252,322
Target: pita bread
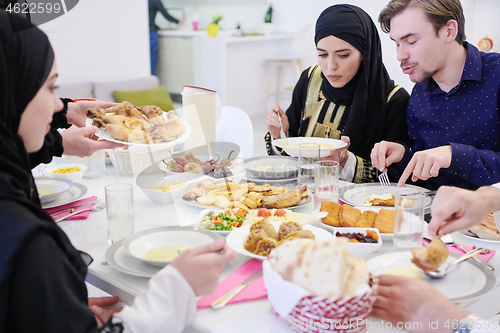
323,268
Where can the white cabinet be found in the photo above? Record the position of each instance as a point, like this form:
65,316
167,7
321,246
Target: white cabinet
175,62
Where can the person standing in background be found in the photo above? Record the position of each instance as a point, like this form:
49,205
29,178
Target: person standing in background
156,6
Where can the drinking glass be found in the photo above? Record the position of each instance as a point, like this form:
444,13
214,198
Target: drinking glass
119,211
409,219
308,155
326,182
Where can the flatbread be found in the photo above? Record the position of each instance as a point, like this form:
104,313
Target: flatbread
323,268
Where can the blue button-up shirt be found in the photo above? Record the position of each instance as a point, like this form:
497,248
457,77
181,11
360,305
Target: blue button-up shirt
466,118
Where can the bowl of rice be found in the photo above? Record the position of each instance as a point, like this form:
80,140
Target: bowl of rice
71,171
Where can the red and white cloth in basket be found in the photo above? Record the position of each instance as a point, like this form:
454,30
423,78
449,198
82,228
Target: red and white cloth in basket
318,314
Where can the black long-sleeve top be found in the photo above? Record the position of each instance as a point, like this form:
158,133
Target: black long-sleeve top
52,145
156,6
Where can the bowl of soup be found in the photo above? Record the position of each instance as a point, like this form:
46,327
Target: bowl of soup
159,246
291,145
50,189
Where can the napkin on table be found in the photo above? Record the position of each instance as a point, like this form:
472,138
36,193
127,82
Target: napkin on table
81,216
485,257
255,290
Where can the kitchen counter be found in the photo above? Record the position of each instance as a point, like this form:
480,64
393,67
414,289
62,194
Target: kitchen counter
225,35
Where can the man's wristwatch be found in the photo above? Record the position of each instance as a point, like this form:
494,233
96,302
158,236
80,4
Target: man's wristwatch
467,324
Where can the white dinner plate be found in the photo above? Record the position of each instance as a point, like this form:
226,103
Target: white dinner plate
236,238
462,238
289,183
117,258
465,281
138,244
356,195
104,135
291,150
73,194
385,237
195,203
284,167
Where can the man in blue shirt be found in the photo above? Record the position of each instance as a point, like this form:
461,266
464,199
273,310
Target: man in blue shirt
156,6
453,112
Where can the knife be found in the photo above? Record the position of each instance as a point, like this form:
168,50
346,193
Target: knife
221,302
72,214
73,207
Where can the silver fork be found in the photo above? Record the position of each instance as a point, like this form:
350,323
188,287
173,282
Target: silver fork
449,241
384,179
282,133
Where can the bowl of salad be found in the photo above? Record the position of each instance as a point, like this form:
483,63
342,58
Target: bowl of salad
223,222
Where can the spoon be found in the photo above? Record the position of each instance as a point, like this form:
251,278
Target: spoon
315,217
441,273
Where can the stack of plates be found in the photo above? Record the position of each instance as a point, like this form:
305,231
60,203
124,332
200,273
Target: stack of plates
127,255
274,170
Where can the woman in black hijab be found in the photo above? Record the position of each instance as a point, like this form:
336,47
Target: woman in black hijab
27,76
42,275
349,95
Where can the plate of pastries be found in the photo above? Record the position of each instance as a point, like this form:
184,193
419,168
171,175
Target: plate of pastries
260,238
225,194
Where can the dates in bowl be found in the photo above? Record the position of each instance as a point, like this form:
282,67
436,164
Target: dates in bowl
361,240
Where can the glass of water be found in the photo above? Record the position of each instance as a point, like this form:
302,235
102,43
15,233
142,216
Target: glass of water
308,155
409,219
119,211
326,182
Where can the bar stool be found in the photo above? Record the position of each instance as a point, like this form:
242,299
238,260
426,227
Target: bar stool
276,63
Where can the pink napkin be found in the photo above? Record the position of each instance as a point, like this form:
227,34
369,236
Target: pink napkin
485,257
255,290
81,216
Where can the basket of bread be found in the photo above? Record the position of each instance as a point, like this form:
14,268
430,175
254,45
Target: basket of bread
314,286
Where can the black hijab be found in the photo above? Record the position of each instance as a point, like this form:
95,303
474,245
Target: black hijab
367,92
26,59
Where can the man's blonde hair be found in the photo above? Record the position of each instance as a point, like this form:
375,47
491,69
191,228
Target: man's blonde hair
438,12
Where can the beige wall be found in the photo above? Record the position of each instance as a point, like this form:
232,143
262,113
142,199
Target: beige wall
101,40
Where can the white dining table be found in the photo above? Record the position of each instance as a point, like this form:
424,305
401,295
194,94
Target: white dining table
89,235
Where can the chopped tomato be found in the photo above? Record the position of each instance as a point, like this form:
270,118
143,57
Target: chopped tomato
280,212
240,213
263,212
